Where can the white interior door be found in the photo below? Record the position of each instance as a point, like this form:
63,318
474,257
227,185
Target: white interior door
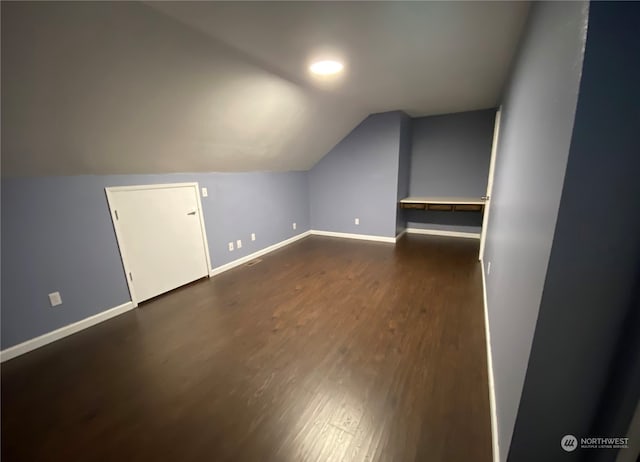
492,165
161,236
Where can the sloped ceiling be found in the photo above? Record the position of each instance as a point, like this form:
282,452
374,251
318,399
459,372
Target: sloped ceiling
422,57
101,87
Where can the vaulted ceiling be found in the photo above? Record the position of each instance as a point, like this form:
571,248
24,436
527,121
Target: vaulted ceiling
223,86
421,57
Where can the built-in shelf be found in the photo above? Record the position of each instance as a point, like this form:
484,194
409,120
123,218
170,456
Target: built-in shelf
444,203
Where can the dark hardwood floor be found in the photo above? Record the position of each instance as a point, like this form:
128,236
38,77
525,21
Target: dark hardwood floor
327,350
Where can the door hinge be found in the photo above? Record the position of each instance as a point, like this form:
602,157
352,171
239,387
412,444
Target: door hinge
130,276
116,214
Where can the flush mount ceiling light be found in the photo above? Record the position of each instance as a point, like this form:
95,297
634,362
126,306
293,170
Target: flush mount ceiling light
326,67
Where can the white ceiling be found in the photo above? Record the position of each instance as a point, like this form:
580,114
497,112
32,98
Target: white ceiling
123,87
421,57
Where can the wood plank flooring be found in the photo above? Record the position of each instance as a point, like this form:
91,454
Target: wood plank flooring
327,350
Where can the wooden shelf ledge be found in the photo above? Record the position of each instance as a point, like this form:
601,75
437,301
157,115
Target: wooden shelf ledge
444,203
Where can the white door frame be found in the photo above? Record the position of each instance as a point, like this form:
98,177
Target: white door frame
116,225
492,166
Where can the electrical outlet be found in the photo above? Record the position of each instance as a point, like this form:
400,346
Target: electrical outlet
357,221
295,225
239,244
253,236
488,268
230,246
55,299
205,193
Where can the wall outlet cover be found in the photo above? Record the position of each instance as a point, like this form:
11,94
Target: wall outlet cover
205,192
239,244
55,299
253,236
295,225
230,246
357,221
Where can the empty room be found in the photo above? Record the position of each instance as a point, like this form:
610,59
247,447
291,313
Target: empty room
320,231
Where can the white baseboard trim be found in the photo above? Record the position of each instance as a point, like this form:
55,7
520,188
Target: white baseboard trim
399,235
65,331
495,444
443,232
259,253
363,237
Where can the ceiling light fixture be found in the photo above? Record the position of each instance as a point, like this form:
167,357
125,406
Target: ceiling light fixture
326,67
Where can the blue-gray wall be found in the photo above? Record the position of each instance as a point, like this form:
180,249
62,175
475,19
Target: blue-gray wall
586,337
451,154
404,169
57,235
535,135
359,178
450,157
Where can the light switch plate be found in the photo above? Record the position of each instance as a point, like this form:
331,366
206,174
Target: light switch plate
205,193
55,299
